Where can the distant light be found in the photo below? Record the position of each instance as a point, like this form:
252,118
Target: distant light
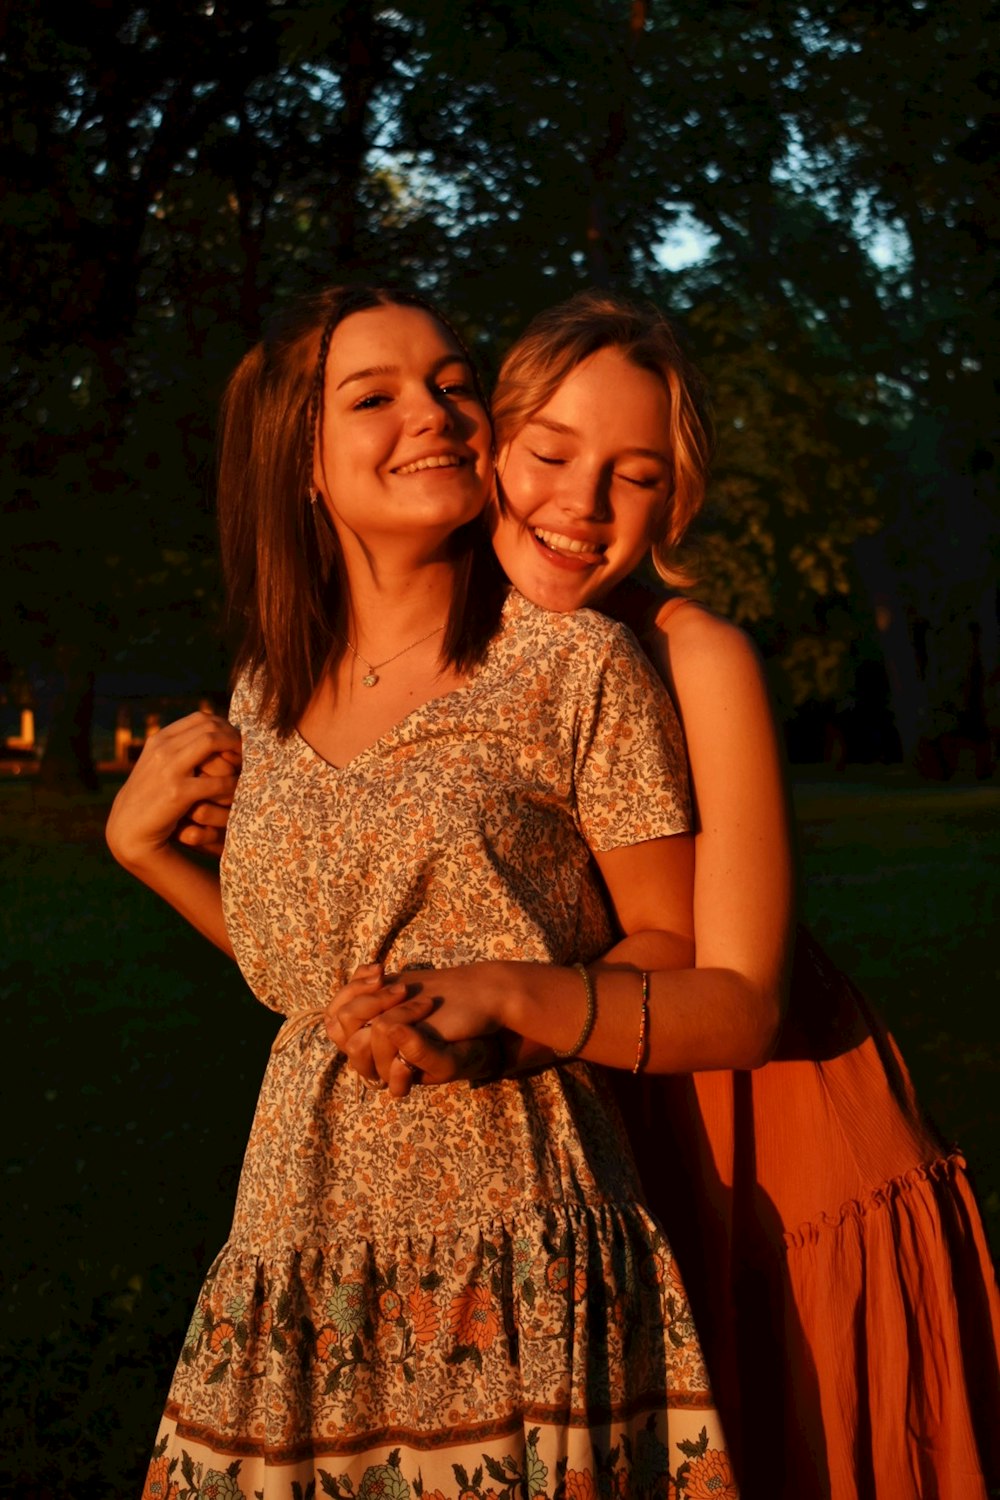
685,245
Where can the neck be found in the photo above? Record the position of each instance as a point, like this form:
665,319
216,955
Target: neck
390,607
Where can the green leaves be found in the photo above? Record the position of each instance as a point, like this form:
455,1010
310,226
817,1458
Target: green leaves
175,175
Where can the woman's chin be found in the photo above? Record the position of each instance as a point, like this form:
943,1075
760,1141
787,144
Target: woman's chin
549,579
562,594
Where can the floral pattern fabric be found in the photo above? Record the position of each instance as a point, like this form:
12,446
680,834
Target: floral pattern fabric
461,1293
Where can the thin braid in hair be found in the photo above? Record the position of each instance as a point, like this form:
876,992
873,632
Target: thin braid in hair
318,384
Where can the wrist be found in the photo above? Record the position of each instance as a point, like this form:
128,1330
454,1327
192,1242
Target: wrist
514,993
566,1054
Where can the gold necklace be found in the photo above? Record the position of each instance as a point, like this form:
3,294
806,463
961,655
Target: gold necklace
371,676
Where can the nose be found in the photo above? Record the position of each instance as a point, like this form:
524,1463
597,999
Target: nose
586,494
430,411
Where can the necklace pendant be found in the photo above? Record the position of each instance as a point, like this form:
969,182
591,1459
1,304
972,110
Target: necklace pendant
369,679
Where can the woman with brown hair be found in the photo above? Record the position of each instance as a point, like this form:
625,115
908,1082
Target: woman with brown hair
459,1291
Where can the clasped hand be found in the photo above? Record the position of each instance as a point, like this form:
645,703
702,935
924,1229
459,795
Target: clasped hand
180,788
424,1026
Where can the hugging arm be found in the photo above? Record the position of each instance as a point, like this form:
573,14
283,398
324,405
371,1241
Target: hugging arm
744,881
718,1007
537,1001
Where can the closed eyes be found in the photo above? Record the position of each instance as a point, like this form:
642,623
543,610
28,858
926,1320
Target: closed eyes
641,484
644,483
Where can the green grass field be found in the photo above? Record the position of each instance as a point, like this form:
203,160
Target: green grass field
136,1052
901,886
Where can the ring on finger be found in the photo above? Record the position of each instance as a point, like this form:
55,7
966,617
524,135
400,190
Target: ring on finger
407,1064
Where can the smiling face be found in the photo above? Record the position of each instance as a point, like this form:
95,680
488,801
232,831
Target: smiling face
586,483
403,452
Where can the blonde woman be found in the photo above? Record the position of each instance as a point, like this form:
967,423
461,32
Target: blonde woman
830,1241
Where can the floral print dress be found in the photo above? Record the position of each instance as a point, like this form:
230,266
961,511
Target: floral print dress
460,1293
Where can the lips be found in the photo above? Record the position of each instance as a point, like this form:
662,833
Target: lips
432,461
568,546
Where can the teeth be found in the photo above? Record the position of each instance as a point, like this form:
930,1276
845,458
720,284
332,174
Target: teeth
440,461
560,543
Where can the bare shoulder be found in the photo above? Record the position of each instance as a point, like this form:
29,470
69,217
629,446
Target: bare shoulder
697,627
700,655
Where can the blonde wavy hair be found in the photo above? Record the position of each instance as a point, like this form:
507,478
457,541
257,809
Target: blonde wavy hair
562,337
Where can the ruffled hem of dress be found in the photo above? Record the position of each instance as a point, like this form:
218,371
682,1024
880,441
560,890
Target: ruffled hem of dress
945,1170
575,1315
892,1335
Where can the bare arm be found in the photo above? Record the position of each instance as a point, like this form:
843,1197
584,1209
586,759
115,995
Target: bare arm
744,869
720,1013
166,782
648,884
726,1009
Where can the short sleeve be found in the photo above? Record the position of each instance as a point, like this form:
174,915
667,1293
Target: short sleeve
631,766
243,702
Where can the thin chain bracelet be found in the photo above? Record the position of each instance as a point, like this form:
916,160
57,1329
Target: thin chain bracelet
588,1020
640,1051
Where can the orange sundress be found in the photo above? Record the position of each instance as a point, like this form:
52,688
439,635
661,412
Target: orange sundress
831,1246
835,1258
458,1294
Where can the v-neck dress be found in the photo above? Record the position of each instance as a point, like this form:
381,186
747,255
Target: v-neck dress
460,1293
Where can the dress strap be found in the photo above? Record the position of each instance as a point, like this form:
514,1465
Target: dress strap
672,606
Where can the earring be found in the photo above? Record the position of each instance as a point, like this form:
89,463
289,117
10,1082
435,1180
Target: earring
313,494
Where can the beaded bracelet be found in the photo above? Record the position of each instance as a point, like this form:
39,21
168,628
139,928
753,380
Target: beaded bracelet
588,1020
640,1051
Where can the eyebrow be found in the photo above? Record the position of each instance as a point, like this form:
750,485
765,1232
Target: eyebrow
564,431
366,374
438,365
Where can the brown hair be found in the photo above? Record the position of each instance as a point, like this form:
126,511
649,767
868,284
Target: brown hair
559,339
281,559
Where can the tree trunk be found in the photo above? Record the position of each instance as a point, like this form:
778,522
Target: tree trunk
68,763
366,66
907,694
604,256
